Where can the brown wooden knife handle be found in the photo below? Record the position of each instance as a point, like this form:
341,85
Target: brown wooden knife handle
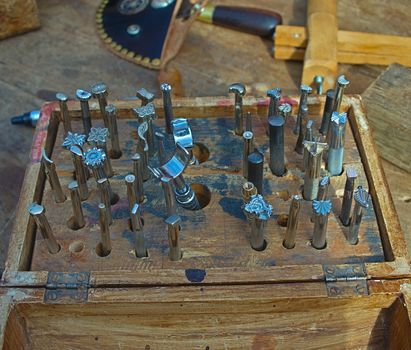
246,19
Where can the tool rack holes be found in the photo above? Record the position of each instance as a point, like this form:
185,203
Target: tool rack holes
76,247
100,251
311,243
282,220
284,195
114,155
263,247
201,152
114,199
73,225
285,247
202,193
340,174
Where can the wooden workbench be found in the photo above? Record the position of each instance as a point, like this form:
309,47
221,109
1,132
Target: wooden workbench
66,54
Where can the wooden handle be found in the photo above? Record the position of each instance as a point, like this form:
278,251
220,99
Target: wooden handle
321,52
246,19
352,47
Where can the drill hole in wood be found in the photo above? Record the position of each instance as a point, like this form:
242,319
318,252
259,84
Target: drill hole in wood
76,247
114,155
263,247
284,195
282,220
201,152
202,193
100,251
73,225
114,199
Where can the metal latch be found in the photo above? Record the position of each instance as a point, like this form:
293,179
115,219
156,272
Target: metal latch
347,279
64,286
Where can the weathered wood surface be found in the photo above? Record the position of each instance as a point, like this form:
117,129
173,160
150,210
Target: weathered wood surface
222,243
17,17
388,105
217,235
352,47
206,318
38,64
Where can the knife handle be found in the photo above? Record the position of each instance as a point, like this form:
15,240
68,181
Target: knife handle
246,19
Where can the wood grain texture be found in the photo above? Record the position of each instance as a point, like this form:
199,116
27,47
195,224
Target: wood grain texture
298,54
393,240
388,103
352,47
17,17
37,65
224,243
399,183
320,57
209,317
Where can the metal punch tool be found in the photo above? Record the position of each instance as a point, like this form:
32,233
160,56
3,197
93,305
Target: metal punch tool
174,169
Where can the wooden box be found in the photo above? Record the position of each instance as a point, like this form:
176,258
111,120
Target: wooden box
222,293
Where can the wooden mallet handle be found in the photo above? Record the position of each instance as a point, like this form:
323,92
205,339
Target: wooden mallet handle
321,53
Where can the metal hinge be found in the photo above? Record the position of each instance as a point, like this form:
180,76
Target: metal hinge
64,286
344,280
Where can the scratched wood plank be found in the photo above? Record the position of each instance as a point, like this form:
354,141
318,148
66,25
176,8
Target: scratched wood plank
212,317
215,236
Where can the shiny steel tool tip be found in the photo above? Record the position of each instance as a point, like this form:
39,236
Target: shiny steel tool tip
325,122
168,106
80,171
37,211
239,91
347,197
248,148
137,225
341,84
77,220
313,169
84,97
336,143
173,228
95,158
147,114
145,96
292,223
321,211
173,169
248,191
73,139
276,132
275,97
362,203
303,115
257,211
285,110
52,177
323,188
64,112
138,173
99,91
105,244
255,164
111,114
304,90
98,138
